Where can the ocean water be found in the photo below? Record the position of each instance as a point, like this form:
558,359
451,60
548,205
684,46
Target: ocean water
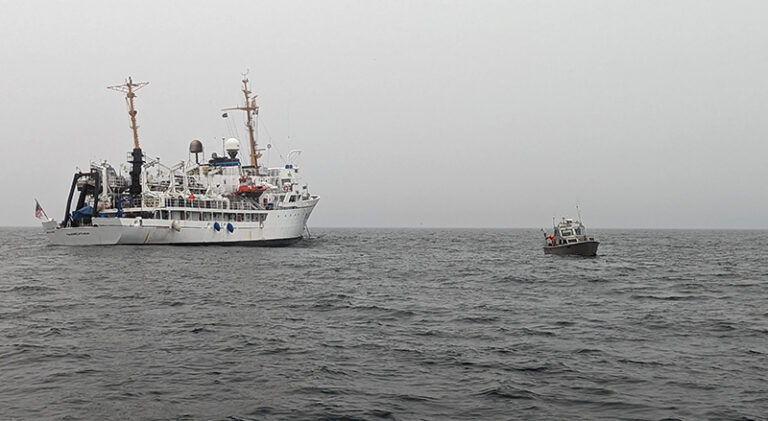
388,324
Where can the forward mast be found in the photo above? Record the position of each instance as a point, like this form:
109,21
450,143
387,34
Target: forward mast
137,157
250,109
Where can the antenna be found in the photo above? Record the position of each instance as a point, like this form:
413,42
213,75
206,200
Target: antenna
137,157
250,109
578,212
129,87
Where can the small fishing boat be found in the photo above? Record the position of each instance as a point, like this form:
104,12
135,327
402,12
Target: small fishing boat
570,238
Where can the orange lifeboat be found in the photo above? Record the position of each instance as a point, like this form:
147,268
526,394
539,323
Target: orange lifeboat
251,190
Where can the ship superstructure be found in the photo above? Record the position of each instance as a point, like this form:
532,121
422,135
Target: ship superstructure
213,201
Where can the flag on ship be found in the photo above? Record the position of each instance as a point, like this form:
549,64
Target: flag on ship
39,212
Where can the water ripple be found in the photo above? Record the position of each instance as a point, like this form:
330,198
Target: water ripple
388,324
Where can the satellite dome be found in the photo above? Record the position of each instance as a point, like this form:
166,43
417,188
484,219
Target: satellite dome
195,146
232,146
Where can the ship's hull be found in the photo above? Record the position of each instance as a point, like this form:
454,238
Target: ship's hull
582,248
281,227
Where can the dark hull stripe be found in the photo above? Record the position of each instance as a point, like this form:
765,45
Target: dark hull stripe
584,248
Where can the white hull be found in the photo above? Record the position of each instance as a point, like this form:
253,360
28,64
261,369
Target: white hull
281,226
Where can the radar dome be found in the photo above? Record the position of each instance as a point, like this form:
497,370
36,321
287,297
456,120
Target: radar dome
232,146
195,146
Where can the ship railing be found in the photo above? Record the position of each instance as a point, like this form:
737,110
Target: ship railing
150,202
141,203
193,203
238,205
206,204
153,202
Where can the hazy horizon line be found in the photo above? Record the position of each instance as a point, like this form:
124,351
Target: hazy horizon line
500,228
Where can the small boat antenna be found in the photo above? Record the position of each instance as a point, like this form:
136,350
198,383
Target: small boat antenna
578,212
250,109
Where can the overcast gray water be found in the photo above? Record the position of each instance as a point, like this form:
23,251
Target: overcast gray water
388,324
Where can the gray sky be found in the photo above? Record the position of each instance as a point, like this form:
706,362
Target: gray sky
650,114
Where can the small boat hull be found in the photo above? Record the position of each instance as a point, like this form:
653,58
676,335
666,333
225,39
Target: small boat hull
582,248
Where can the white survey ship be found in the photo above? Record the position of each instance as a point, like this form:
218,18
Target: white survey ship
216,201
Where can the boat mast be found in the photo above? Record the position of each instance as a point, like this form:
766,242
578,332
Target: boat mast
250,109
137,157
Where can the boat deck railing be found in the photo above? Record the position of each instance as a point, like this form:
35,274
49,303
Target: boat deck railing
152,202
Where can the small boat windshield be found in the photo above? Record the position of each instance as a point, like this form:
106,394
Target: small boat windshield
579,231
566,233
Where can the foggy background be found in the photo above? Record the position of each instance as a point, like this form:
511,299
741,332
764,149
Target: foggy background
649,114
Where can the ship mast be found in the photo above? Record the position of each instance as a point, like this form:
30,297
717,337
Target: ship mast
129,88
137,157
250,109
